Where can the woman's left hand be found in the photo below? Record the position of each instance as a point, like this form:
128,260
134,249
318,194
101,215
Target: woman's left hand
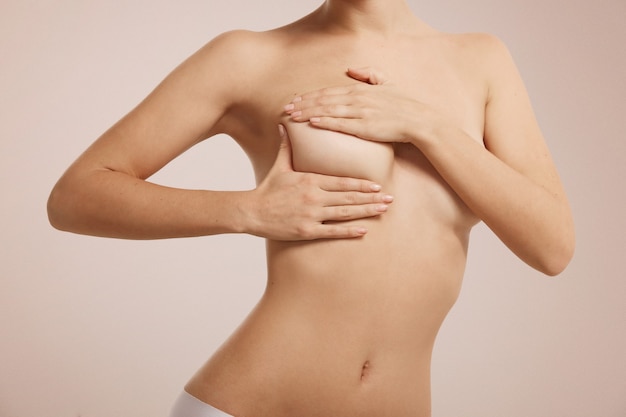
374,109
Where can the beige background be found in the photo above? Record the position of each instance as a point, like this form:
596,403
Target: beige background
101,328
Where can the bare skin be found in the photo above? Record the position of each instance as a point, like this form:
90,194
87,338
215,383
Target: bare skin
347,323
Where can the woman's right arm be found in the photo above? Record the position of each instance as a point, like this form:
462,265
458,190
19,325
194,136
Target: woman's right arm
105,192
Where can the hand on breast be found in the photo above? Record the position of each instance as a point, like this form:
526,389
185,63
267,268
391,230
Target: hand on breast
333,153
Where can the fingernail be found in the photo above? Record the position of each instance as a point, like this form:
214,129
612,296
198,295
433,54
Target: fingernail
361,230
289,107
375,187
296,99
388,198
281,130
296,114
382,207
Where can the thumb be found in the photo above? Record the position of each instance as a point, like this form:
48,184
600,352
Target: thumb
283,158
368,74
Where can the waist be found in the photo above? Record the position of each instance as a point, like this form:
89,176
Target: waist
345,328
285,361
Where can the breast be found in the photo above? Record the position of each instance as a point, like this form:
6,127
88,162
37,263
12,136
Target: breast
333,153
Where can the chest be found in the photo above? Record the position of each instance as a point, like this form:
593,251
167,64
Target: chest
429,75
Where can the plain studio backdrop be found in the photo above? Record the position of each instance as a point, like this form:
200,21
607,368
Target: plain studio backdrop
108,328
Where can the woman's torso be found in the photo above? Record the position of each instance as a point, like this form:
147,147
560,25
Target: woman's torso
346,327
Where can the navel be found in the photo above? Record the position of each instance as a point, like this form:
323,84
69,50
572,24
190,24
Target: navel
365,370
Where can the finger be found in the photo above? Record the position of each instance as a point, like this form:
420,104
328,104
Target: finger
327,91
345,213
369,75
348,125
344,111
346,184
356,198
335,105
335,231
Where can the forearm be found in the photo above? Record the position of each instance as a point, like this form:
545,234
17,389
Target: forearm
286,205
533,222
114,204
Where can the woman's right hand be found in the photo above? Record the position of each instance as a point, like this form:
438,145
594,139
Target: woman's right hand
291,205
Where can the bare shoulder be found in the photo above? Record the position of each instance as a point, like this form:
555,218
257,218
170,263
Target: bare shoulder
238,43
479,44
494,54
497,65
238,51
482,50
483,56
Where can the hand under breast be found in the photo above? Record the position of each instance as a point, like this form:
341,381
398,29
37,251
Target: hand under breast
333,153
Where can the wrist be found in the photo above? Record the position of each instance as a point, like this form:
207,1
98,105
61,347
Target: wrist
244,213
226,212
431,134
423,127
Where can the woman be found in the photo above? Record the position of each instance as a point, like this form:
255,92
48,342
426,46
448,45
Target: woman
357,285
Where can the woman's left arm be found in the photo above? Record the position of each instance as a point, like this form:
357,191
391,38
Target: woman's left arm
510,183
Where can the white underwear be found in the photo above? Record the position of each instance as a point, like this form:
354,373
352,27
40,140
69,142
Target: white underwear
189,406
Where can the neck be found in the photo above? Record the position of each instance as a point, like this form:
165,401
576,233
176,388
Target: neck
363,16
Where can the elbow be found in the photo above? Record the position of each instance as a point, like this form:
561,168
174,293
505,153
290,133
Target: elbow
559,247
54,209
556,264
58,207
557,258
